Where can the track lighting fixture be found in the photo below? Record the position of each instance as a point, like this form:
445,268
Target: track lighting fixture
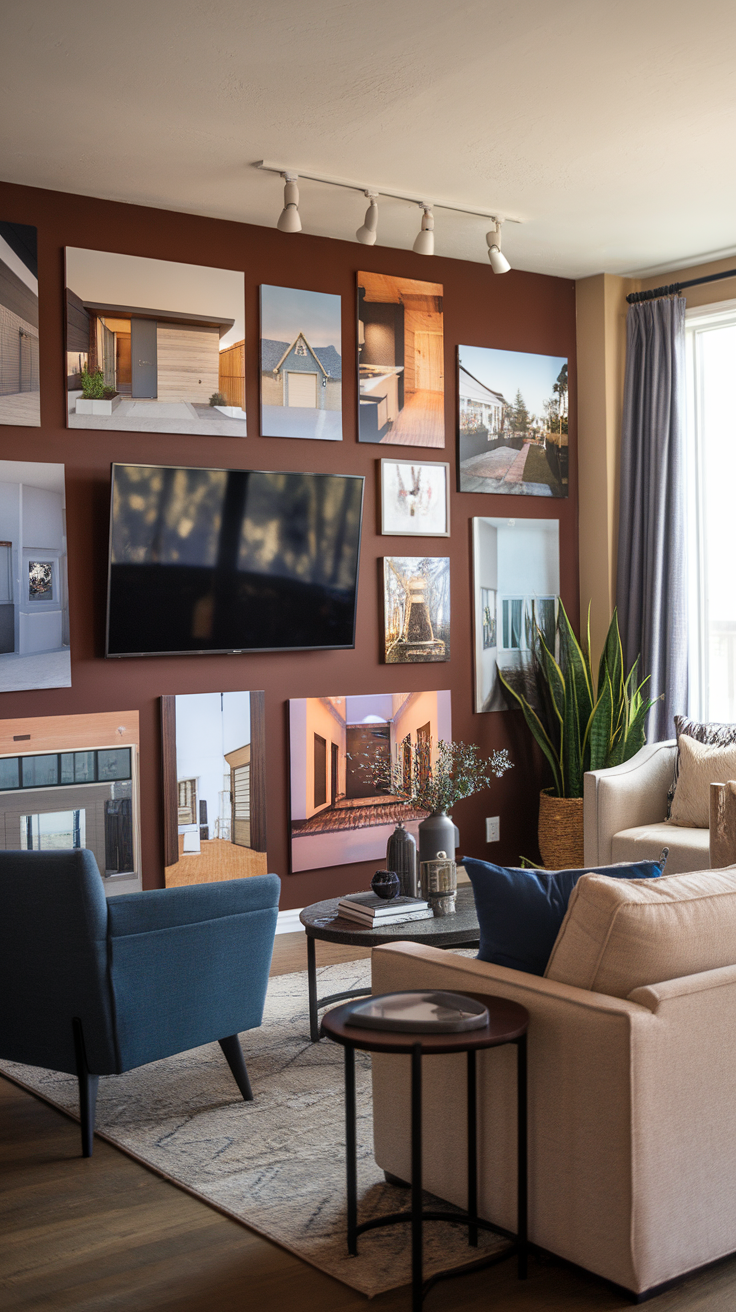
367,234
289,220
424,244
499,263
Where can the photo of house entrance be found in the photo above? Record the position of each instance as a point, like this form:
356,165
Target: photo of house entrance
153,346
512,422
400,361
20,397
337,814
301,364
71,781
214,795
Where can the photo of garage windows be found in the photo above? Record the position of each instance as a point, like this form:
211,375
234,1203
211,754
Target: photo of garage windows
71,781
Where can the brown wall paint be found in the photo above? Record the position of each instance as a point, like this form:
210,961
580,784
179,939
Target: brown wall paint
519,311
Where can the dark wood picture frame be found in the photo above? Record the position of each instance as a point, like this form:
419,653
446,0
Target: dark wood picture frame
257,775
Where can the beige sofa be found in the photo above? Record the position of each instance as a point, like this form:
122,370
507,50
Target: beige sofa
632,1102
624,811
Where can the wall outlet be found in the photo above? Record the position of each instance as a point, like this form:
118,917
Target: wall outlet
493,829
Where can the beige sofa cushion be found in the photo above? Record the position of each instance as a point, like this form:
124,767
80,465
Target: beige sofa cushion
620,934
701,765
689,849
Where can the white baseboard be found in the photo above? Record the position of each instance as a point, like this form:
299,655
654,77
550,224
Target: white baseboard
289,923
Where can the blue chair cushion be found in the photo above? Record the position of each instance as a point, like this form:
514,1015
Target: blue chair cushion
520,911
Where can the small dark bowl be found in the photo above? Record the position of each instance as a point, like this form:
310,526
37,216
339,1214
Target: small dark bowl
385,884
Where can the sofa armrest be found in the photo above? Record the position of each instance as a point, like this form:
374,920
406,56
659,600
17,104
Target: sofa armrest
634,793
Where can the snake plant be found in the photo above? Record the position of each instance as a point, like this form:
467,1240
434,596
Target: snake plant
579,724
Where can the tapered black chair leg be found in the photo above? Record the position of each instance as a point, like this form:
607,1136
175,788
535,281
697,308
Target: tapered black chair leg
88,1085
236,1061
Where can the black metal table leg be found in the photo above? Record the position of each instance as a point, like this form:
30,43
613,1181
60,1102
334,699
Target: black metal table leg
351,1151
417,1218
472,1154
312,986
522,1187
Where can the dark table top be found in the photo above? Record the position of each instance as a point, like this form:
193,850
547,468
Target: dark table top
506,1021
322,921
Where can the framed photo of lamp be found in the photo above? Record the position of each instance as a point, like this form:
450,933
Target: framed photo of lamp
415,498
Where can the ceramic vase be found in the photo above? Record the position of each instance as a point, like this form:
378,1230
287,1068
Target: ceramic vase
401,856
437,833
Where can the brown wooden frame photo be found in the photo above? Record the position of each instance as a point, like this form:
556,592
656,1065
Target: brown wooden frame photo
212,832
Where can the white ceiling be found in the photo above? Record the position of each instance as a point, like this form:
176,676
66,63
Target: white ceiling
607,125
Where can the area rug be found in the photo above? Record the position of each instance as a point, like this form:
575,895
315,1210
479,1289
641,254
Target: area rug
277,1164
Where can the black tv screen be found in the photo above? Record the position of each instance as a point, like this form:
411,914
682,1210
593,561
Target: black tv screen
231,560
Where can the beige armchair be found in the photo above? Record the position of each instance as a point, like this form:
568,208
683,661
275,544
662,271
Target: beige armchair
632,1116
624,812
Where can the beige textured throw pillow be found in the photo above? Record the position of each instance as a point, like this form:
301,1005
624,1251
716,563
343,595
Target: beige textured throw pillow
619,934
700,766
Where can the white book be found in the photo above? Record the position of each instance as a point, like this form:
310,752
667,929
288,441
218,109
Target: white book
375,922
378,907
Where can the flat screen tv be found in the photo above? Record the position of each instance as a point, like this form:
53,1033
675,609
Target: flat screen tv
231,560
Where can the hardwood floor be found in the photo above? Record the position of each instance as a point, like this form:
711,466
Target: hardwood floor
107,1235
420,423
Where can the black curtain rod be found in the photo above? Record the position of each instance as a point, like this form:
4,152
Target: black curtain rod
674,287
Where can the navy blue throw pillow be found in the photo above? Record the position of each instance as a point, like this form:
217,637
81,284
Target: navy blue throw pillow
520,911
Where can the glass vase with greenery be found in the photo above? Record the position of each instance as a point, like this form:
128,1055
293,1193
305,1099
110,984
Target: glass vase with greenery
580,722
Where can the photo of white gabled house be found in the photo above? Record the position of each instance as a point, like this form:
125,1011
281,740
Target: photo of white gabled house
154,346
19,378
301,365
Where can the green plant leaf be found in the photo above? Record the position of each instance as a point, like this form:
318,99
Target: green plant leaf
540,734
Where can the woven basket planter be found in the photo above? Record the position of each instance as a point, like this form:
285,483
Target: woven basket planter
560,831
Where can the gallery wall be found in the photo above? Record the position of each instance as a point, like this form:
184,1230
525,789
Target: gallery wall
518,311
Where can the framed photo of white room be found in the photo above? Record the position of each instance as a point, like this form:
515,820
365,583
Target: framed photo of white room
301,364
516,580
415,498
154,346
214,786
338,814
20,396
512,422
401,354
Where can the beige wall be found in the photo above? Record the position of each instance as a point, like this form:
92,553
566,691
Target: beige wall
188,363
601,355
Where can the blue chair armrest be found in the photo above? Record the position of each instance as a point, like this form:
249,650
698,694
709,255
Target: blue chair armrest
165,908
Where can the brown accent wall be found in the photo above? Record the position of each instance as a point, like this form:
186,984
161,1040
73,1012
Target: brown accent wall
519,311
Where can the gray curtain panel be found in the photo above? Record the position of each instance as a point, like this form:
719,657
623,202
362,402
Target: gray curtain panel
651,583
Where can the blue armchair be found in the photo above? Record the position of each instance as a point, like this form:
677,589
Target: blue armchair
96,988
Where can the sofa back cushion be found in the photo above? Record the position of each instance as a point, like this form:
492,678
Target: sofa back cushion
700,765
520,911
620,934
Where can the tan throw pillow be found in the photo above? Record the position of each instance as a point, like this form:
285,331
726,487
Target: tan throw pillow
700,766
619,934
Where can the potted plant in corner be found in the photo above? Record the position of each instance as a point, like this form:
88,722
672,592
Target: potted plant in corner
580,724
97,398
411,777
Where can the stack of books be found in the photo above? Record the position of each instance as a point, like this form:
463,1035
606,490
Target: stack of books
369,910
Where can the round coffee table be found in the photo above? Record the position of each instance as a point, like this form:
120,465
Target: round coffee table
322,921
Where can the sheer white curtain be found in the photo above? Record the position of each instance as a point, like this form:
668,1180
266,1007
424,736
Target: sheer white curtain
710,337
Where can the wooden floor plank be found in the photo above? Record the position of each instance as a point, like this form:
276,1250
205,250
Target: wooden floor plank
107,1235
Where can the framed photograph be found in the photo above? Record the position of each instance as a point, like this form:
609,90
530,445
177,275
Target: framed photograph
34,596
301,364
415,499
154,346
214,764
20,397
512,422
401,361
71,781
338,815
416,609
516,581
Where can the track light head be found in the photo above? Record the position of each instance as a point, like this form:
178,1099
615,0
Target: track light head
366,235
289,220
499,263
424,244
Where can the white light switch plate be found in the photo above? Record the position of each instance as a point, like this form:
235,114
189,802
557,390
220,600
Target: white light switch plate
493,829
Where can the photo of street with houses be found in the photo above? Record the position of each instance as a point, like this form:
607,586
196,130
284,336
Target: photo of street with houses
153,346
301,364
20,397
512,422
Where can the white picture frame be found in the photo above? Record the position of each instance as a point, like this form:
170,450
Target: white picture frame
415,498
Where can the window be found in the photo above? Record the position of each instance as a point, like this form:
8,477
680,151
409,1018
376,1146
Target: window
52,830
320,770
517,616
711,475
61,768
187,802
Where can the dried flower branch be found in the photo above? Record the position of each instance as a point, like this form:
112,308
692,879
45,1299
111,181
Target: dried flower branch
458,771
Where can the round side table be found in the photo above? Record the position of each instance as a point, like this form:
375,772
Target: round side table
507,1023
